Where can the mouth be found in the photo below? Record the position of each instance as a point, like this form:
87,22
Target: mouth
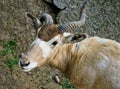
25,64
28,66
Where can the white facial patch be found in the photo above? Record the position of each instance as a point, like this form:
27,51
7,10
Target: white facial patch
43,45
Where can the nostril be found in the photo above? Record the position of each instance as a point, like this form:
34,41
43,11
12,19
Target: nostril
21,63
24,64
22,55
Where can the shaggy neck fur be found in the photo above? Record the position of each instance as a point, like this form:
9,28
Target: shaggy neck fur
87,61
64,60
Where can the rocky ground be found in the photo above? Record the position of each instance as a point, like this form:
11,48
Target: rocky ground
16,35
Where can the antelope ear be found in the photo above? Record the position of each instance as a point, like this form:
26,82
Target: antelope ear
77,37
34,21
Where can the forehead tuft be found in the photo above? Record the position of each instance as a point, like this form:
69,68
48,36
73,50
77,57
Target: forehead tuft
47,32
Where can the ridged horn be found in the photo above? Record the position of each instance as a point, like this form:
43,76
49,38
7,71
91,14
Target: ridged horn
45,17
75,24
35,21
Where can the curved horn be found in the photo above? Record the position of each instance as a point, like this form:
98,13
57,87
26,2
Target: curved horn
35,21
44,16
75,24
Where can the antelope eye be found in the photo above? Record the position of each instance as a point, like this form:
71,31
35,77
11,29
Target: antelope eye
54,43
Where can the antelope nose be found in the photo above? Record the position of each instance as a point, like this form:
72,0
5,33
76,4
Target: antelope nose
23,64
22,55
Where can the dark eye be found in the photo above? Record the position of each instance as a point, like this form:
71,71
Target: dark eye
54,43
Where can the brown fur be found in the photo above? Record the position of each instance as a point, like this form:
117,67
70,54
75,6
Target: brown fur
47,32
93,63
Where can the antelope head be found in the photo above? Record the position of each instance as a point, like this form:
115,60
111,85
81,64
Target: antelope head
48,36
